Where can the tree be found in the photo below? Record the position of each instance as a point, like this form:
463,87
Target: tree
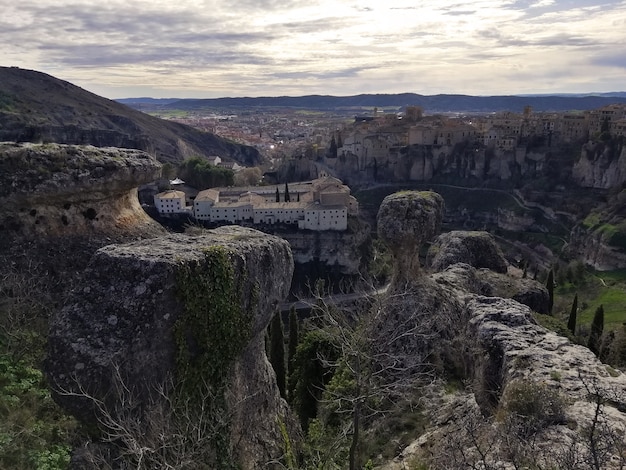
292,347
370,373
597,326
277,352
248,176
277,195
550,287
200,174
287,197
571,322
311,373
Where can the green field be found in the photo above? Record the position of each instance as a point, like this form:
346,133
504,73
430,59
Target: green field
606,288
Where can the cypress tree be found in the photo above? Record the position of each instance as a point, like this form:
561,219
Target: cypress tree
287,197
291,351
277,195
597,326
277,352
571,322
550,287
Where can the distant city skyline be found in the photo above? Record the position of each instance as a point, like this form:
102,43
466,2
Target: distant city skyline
211,49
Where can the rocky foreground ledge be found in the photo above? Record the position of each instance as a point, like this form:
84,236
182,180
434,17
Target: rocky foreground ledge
181,317
55,189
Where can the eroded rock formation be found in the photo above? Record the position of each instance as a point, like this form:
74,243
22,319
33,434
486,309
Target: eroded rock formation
405,221
601,165
477,249
495,344
55,189
182,314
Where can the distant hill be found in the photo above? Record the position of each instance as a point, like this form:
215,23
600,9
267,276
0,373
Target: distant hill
36,107
431,104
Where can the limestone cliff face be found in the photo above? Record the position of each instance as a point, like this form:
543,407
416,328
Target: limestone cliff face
440,163
55,189
595,249
165,311
601,165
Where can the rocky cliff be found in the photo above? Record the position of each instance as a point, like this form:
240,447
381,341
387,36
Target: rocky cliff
601,165
183,317
139,320
532,397
55,189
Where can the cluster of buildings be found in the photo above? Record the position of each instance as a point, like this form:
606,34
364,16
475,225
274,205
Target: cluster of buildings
321,204
377,137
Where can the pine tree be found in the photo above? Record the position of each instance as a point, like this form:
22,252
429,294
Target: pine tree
287,197
277,195
550,287
277,352
571,322
293,345
597,326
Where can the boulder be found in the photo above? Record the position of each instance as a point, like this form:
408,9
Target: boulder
477,249
181,314
405,221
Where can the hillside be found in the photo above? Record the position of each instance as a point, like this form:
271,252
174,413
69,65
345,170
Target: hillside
36,107
432,103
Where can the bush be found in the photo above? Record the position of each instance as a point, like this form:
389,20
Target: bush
528,407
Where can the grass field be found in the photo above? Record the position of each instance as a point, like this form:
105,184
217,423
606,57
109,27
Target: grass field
606,288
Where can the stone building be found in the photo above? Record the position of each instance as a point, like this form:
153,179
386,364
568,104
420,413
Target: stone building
321,204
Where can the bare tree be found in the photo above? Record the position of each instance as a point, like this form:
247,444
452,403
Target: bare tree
373,370
167,430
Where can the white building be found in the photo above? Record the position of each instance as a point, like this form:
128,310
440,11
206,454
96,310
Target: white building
321,204
170,202
321,217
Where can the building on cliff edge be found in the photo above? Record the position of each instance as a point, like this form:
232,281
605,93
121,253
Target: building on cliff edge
321,204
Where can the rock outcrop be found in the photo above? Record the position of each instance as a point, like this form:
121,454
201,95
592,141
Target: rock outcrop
55,189
458,321
601,165
477,249
406,220
182,314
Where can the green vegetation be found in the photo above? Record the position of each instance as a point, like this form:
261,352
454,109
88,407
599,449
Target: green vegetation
597,328
529,407
210,334
35,433
200,174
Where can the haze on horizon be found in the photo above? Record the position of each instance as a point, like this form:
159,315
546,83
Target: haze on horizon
213,48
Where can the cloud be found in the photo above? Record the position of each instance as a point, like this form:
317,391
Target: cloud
216,47
611,59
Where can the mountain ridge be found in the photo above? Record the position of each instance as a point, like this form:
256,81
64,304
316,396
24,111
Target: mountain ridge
430,103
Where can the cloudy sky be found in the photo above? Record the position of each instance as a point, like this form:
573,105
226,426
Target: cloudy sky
216,48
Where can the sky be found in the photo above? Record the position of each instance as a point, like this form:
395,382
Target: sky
219,48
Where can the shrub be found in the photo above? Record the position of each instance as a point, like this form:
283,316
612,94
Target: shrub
528,407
